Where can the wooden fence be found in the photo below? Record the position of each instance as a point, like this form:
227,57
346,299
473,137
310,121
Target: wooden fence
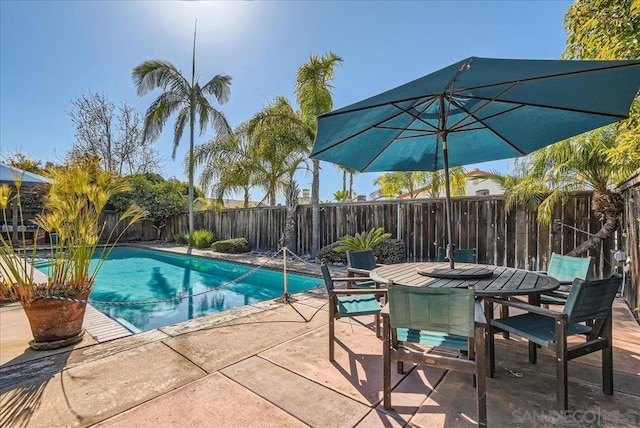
513,238
508,239
630,189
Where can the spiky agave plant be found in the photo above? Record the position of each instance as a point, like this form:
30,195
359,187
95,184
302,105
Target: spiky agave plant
362,241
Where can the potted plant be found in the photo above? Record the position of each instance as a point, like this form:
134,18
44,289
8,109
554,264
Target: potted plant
55,303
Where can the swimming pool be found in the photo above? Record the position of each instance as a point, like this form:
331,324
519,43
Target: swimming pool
141,275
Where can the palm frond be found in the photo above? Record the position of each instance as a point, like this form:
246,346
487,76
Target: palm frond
220,87
158,113
158,74
178,130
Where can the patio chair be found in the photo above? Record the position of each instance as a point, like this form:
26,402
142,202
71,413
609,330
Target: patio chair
442,317
587,312
462,255
349,303
359,264
565,269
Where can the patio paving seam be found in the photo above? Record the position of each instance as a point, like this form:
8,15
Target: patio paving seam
258,395
377,403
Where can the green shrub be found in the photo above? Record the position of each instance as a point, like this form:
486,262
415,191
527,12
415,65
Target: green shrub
201,239
181,238
388,252
329,254
231,246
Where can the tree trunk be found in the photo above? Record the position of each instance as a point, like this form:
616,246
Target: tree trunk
608,206
344,180
351,186
315,208
272,195
289,239
246,198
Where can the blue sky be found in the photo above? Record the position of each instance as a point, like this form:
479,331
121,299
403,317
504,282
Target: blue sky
52,52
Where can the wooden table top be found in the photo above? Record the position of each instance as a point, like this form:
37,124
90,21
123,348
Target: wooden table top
504,281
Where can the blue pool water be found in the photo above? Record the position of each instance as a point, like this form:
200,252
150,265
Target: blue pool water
137,275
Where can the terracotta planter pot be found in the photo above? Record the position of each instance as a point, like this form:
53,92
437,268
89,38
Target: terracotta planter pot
55,323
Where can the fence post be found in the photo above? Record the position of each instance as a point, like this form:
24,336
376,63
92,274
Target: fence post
399,222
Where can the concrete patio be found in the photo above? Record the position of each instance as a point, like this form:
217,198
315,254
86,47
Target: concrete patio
264,365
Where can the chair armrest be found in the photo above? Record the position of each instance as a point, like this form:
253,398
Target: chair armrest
351,279
541,272
353,291
556,294
527,307
358,271
385,310
480,319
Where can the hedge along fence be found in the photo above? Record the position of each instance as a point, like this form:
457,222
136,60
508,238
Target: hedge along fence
507,239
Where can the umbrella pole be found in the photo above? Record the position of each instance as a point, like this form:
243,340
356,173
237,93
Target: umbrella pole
447,185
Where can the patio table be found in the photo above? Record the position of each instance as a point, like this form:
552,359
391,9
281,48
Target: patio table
504,282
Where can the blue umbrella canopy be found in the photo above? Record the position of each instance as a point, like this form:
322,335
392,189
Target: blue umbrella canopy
477,110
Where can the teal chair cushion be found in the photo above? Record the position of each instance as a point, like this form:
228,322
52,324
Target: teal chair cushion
365,285
432,338
364,304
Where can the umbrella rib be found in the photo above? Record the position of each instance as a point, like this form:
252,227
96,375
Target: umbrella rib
417,118
354,135
489,128
573,110
423,96
483,106
395,128
380,152
466,126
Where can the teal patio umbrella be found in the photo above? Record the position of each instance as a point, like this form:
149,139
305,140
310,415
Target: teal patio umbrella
476,110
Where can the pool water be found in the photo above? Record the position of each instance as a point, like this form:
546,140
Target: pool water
140,275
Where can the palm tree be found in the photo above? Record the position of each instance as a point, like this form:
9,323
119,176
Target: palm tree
341,196
415,182
393,184
346,170
188,100
228,164
279,142
434,182
580,163
313,93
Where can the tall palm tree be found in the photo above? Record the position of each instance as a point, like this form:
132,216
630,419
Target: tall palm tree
313,94
187,100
